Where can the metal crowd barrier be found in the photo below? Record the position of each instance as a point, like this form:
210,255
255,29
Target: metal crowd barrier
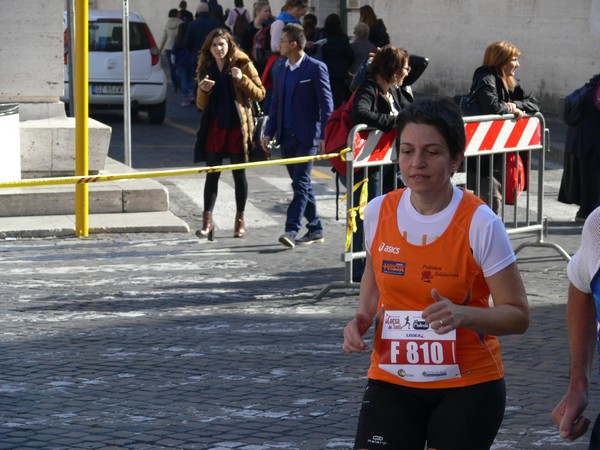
495,136
527,138
371,150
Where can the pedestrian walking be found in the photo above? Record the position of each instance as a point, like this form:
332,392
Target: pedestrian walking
261,18
337,54
228,83
583,318
184,14
237,20
300,106
580,183
291,12
435,253
199,30
182,59
166,43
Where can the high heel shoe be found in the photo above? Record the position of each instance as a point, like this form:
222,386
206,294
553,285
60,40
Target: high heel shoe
239,225
208,226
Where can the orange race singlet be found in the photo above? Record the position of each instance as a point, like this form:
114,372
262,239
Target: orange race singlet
405,350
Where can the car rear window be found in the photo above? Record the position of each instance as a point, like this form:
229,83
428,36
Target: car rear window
107,36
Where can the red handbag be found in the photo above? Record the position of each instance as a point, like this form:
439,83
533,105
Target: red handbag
515,178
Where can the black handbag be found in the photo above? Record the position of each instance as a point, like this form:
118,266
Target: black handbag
468,104
256,152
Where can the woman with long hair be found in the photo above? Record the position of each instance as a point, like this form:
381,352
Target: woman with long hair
227,84
337,55
378,34
497,91
262,18
494,84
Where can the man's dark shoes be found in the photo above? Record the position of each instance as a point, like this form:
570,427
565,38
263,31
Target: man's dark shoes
288,239
310,238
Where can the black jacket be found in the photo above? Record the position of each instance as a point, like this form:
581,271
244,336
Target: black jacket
372,108
378,34
583,139
337,54
491,95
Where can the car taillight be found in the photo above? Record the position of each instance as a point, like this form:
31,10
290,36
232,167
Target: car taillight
153,48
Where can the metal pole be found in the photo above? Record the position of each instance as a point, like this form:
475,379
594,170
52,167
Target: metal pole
126,86
71,55
81,118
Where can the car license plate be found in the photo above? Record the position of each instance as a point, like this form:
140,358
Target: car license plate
107,89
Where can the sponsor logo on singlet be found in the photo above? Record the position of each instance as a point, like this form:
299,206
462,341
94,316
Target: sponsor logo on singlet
385,248
429,272
393,267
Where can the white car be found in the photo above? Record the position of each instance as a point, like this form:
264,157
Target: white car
148,82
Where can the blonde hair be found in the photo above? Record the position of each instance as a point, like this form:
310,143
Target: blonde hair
259,6
499,53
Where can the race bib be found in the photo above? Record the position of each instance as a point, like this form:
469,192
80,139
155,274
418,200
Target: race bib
411,350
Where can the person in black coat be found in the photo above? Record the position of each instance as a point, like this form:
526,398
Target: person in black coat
379,97
378,34
377,101
198,30
497,91
580,183
338,55
495,87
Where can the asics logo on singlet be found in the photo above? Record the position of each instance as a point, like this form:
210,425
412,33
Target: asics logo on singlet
383,247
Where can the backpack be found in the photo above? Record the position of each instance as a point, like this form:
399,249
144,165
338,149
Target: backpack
337,129
240,24
261,47
572,105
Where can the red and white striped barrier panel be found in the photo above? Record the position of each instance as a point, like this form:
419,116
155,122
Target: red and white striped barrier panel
523,134
373,147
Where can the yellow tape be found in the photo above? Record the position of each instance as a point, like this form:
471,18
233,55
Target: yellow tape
165,173
354,188
364,197
351,227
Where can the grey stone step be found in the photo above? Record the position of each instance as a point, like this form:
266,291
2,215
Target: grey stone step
123,196
65,225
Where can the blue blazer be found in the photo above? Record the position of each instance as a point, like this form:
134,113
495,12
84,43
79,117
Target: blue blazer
312,102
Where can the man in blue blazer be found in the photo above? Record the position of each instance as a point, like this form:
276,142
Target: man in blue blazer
300,106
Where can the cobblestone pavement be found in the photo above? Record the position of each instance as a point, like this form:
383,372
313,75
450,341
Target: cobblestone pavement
162,341
147,341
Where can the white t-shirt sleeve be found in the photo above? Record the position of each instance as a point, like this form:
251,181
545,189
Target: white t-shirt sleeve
491,245
371,218
585,263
